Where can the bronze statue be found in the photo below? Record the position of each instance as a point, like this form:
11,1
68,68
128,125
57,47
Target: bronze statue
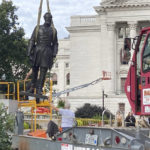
42,51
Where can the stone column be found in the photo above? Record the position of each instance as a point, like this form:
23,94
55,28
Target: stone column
133,33
61,75
111,54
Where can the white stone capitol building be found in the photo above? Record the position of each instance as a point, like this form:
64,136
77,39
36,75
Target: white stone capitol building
95,44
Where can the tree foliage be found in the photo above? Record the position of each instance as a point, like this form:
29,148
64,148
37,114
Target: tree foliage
13,59
6,127
90,111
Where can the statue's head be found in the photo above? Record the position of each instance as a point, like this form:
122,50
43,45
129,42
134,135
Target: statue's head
48,18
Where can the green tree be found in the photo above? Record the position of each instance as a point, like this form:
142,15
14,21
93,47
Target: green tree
91,111
6,127
13,59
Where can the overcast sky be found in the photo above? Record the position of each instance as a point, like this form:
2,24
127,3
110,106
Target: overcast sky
61,11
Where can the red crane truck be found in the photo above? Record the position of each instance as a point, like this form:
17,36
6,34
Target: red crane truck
137,85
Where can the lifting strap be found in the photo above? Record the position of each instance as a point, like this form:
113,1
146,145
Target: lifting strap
39,18
52,24
48,9
38,21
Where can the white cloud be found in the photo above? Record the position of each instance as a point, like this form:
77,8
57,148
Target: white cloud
61,10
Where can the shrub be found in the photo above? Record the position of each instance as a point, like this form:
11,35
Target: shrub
26,125
61,104
6,127
91,111
79,122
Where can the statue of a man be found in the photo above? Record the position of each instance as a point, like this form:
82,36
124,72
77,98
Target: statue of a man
42,50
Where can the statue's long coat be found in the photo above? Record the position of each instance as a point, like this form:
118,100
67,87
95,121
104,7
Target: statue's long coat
43,49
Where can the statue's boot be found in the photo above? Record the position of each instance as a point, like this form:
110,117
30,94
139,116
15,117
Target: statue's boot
43,72
30,90
33,80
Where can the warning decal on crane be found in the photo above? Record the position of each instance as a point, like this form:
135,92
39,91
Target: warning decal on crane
146,96
91,139
66,147
147,109
85,148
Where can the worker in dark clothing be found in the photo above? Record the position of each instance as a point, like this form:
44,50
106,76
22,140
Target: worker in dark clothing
130,120
42,50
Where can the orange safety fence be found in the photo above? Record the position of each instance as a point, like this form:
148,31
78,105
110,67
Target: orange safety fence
38,133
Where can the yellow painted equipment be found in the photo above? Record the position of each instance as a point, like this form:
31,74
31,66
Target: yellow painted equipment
22,102
8,93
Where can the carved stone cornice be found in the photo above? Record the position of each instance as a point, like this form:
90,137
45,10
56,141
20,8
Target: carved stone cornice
124,2
110,27
108,2
121,4
75,29
133,26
